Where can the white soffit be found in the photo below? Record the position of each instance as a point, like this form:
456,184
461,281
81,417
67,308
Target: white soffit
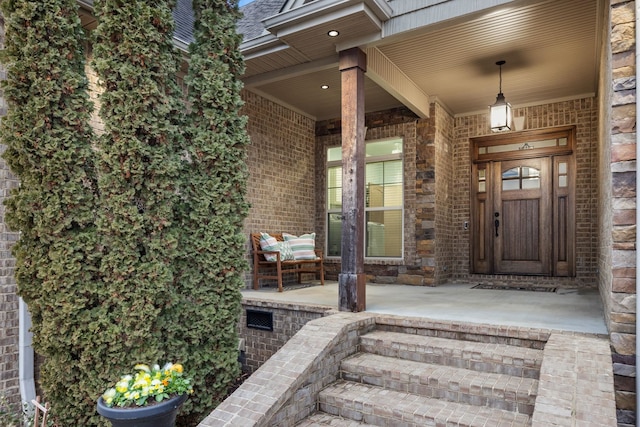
388,76
304,28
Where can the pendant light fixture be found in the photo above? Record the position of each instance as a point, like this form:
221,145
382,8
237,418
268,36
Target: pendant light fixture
500,112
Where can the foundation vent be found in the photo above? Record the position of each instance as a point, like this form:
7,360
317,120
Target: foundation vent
257,319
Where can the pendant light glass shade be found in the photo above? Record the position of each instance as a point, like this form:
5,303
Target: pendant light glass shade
500,112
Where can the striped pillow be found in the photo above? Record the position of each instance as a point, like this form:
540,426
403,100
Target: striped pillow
269,243
286,253
303,246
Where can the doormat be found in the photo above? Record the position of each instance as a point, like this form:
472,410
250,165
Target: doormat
514,288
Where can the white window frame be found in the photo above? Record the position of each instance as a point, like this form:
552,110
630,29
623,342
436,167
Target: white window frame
368,159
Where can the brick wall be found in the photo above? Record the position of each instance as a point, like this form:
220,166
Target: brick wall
281,163
583,114
617,202
288,319
447,230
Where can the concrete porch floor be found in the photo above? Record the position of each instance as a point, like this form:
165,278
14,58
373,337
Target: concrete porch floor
578,310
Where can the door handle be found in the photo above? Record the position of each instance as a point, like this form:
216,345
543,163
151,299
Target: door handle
497,222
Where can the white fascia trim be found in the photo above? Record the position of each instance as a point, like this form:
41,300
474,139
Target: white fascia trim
322,8
261,45
334,16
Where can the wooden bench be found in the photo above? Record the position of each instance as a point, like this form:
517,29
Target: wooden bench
263,269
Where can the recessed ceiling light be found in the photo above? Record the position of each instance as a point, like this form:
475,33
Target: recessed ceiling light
333,33
324,87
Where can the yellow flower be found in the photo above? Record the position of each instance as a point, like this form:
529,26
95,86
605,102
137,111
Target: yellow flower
148,381
123,385
142,381
109,395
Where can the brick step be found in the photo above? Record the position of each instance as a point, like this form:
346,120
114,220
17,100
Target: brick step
321,419
500,391
519,337
475,356
383,407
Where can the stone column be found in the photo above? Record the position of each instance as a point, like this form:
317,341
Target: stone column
622,128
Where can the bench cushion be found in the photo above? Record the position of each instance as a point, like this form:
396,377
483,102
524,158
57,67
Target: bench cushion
303,246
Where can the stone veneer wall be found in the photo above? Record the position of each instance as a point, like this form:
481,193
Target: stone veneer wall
583,114
417,266
9,326
281,163
618,200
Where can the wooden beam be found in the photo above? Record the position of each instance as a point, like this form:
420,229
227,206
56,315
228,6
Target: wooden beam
353,65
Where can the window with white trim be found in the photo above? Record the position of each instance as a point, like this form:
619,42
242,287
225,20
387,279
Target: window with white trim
384,199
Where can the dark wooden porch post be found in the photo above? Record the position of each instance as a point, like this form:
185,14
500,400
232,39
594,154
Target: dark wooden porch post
353,65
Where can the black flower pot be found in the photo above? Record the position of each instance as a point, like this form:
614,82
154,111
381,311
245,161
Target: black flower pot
162,414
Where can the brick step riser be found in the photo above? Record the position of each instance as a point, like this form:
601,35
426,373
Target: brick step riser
491,397
322,419
442,356
412,413
464,336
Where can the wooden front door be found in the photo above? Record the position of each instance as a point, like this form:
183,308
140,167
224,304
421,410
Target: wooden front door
522,208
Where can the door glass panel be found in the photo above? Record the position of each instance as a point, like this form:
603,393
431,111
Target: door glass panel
563,172
530,183
482,181
520,146
530,172
562,167
510,185
511,173
520,178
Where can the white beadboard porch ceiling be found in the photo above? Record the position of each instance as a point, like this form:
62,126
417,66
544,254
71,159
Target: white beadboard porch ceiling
551,49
